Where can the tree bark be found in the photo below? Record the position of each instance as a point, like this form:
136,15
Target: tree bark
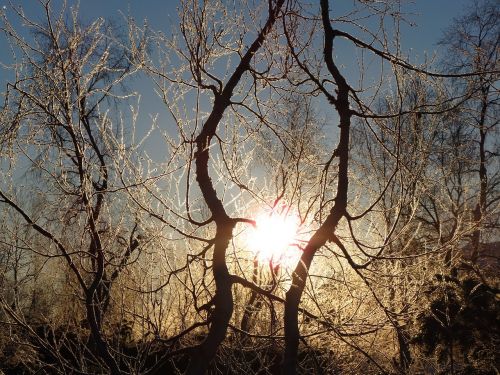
327,230
483,178
97,342
223,300
223,310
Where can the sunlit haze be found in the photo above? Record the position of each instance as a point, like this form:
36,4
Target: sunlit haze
249,186
274,239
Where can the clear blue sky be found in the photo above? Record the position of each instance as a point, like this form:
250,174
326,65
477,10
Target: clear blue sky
430,18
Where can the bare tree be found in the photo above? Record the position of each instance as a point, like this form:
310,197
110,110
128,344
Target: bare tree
58,127
151,258
406,161
472,45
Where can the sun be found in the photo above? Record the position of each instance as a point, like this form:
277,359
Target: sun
275,238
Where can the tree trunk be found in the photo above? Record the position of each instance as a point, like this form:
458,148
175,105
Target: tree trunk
223,300
327,230
96,341
483,179
223,310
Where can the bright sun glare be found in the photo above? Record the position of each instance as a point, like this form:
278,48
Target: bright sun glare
274,239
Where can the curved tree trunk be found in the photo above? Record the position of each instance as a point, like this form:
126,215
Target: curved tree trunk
327,229
223,311
223,300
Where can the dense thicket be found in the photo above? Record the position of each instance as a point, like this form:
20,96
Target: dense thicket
139,243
